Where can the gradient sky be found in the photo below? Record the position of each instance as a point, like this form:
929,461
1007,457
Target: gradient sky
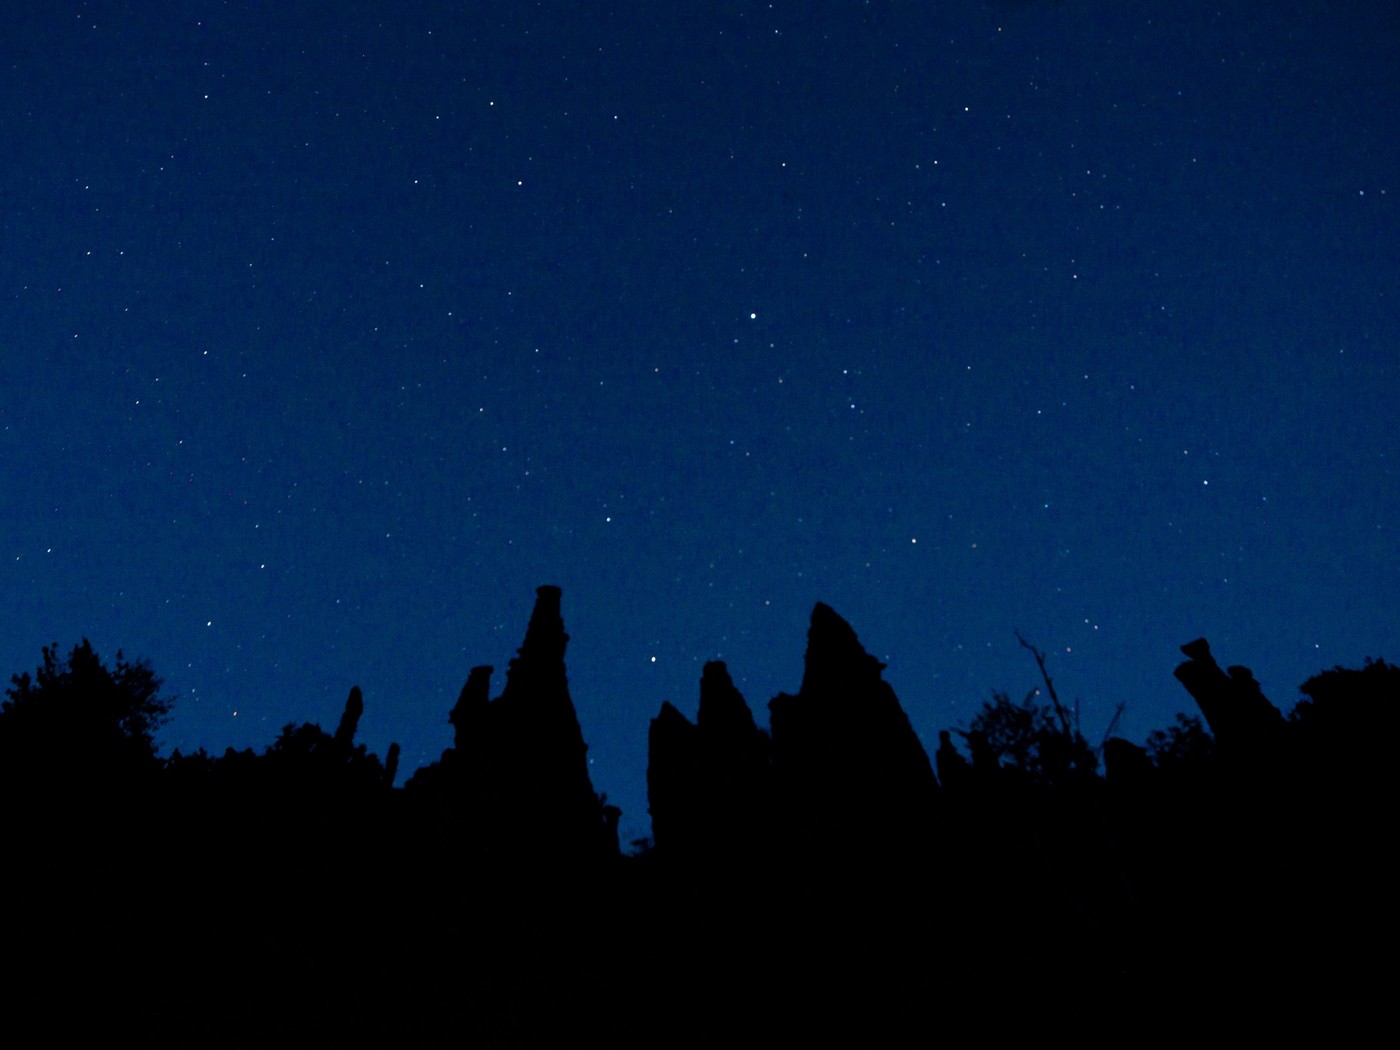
328,331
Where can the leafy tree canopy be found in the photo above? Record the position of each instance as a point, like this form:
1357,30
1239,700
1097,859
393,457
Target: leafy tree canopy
1185,745
1028,738
1344,700
80,708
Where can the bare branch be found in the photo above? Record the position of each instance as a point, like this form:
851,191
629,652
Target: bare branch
1060,712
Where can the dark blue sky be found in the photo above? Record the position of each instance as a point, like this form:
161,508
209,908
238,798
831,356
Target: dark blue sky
328,332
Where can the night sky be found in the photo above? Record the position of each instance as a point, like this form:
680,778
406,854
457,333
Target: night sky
329,331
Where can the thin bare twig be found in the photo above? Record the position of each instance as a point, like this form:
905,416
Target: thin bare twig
1060,712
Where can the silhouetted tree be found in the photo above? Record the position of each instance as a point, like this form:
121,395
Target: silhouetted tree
1187,745
80,715
1027,740
1342,743
308,761
1360,705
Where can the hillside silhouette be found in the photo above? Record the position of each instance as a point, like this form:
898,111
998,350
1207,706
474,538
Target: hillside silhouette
822,872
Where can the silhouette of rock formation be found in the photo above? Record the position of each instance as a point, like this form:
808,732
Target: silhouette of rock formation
391,764
1240,716
517,775
1269,861
1125,764
953,770
707,783
471,706
846,761
350,719
675,781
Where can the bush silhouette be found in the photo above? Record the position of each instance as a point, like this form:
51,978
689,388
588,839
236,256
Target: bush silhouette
1184,745
1026,740
81,715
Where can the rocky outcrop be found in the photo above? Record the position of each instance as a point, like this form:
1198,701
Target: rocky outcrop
350,719
539,763
847,764
471,707
707,782
1239,714
676,788
516,779
844,767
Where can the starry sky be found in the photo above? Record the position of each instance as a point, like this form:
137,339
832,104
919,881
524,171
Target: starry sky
328,331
